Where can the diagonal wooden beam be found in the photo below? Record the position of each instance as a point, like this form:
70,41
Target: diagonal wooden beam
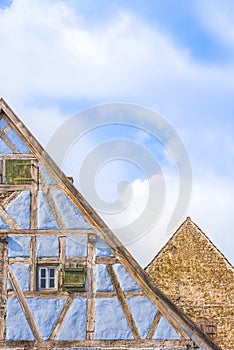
24,305
166,307
9,198
51,202
123,302
62,318
154,326
8,142
9,220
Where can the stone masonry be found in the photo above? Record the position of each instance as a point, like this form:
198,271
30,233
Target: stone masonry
192,272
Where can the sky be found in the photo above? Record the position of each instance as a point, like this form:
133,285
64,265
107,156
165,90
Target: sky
175,58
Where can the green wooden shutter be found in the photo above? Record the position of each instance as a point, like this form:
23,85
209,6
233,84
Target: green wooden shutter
74,276
18,172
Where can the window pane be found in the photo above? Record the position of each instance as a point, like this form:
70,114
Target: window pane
43,283
52,272
51,283
43,273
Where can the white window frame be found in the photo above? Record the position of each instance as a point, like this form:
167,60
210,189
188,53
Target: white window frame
47,278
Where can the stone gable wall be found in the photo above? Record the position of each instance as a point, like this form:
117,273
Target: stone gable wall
198,279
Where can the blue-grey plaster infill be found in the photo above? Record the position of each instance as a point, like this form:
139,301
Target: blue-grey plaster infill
102,249
46,313
3,224
17,327
22,273
70,214
144,312
74,327
4,148
9,285
103,281
19,246
3,123
20,209
165,331
111,322
46,219
127,283
76,246
18,142
46,176
47,247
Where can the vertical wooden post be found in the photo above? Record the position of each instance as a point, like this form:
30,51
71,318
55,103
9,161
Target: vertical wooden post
33,223
62,259
91,286
3,285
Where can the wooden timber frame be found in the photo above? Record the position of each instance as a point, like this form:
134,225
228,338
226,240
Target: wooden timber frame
192,336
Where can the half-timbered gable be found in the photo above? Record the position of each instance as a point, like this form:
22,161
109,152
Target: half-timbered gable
66,280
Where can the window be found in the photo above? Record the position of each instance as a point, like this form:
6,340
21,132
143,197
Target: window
18,172
208,326
74,276
47,277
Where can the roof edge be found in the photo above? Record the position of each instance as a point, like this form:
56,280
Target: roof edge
169,309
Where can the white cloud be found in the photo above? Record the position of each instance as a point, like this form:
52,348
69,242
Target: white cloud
46,52
219,21
211,209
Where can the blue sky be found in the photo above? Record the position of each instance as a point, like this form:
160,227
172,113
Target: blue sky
174,57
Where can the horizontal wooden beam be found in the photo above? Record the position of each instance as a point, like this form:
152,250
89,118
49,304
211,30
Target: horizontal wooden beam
59,233
106,260
166,307
63,294
4,188
17,156
100,344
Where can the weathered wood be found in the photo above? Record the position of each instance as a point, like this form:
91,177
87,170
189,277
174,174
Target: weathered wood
24,305
113,294
81,259
14,187
47,261
10,198
107,260
7,129
34,195
103,344
154,326
172,313
21,232
123,302
8,142
62,259
91,286
56,261
2,171
61,320
8,219
3,285
19,261
17,156
33,224
33,266
51,202
63,294
48,294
